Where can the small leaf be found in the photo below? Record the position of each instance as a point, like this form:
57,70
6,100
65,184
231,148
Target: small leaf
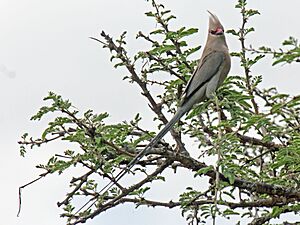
204,170
230,212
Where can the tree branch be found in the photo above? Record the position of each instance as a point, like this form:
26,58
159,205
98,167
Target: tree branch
116,201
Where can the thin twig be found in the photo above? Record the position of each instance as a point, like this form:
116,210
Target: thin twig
25,185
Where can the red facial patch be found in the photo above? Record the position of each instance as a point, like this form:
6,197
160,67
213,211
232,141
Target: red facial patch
219,31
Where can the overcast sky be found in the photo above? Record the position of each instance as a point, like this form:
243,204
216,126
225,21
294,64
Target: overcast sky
44,46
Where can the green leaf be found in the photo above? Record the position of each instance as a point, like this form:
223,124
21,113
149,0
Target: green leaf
230,212
150,14
187,32
158,31
230,175
204,170
233,32
251,12
276,211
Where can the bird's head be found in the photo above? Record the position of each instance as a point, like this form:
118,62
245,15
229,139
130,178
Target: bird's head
215,27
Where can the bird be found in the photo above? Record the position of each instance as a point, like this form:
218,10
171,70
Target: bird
211,71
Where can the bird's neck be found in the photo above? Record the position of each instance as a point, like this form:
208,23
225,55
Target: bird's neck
216,44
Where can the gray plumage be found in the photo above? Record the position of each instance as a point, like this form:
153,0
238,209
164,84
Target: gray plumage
210,73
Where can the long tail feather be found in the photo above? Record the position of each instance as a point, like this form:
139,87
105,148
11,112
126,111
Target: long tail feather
153,142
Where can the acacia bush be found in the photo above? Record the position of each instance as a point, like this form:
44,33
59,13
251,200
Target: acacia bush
251,134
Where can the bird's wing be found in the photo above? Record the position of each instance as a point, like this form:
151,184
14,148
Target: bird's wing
204,72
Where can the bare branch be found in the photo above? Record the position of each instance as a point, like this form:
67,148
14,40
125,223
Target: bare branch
25,185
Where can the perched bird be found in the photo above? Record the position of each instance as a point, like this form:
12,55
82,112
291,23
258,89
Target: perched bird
210,73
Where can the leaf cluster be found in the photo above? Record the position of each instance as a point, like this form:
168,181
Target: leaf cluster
253,131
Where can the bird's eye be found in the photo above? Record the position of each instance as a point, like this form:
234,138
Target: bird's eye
212,31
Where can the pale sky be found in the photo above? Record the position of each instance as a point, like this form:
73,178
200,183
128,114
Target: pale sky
44,46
